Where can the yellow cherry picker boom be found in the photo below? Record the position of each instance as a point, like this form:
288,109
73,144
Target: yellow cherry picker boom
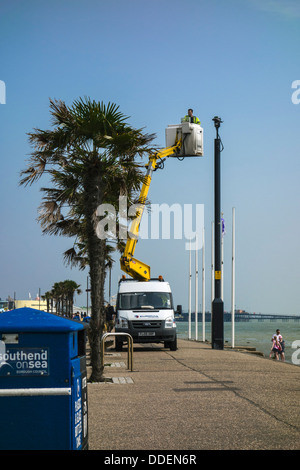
186,140
132,266
145,308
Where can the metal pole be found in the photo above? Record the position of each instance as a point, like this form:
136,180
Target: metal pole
233,282
190,295
196,290
203,285
222,263
217,320
212,264
130,347
109,288
87,296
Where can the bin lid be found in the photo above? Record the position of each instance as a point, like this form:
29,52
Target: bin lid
32,320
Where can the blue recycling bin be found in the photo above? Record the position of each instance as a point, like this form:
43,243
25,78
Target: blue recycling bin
43,382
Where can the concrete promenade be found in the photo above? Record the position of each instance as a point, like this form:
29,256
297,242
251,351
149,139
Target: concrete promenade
194,398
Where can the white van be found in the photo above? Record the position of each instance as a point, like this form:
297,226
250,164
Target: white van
145,310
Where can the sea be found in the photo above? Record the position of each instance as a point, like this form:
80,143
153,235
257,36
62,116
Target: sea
254,334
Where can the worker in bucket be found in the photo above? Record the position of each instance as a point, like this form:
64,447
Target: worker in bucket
190,118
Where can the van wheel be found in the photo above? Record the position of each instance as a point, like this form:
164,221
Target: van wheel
119,345
173,344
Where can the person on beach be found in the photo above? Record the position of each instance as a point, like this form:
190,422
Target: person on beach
281,352
281,343
275,348
278,335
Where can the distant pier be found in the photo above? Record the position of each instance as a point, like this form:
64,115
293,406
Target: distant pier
240,317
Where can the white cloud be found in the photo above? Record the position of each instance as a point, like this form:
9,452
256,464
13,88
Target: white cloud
288,8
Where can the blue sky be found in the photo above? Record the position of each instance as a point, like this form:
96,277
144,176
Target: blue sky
236,59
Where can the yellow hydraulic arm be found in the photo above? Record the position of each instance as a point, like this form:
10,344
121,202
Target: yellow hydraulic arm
135,268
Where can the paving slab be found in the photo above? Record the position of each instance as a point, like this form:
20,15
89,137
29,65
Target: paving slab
195,398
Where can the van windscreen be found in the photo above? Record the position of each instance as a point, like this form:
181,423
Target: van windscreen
145,300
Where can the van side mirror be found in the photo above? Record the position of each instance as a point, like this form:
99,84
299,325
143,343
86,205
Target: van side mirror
179,309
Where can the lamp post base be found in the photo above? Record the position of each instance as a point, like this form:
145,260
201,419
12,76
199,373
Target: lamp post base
217,324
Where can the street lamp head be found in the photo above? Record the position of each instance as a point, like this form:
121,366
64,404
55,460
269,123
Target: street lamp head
217,120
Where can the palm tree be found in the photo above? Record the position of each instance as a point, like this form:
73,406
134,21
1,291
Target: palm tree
90,157
58,293
71,287
63,294
48,297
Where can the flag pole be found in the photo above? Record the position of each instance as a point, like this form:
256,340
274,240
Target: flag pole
190,294
203,285
196,290
233,282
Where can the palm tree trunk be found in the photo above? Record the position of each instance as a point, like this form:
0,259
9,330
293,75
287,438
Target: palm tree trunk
71,301
97,274
96,254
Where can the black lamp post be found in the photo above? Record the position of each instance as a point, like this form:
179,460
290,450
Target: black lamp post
217,318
